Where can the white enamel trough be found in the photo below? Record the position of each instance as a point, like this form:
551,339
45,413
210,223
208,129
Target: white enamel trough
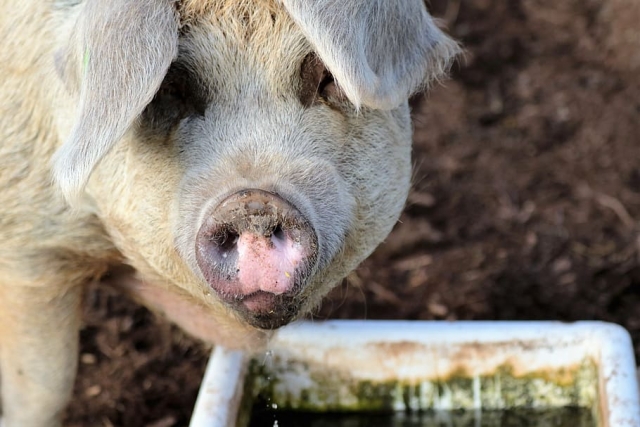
402,365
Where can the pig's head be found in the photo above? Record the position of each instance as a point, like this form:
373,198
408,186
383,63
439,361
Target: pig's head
250,152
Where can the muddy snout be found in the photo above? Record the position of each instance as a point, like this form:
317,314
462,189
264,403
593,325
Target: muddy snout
257,251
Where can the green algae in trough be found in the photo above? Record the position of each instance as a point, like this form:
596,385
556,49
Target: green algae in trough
302,386
291,385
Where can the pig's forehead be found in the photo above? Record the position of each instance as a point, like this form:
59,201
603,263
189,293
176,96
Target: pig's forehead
191,10
226,40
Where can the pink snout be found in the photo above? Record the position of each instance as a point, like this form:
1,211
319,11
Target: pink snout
256,251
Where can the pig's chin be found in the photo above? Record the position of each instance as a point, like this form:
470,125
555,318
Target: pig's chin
265,310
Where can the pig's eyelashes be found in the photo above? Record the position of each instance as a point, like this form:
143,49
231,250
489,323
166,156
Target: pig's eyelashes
317,83
328,88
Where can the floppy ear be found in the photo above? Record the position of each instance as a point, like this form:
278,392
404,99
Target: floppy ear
119,52
379,51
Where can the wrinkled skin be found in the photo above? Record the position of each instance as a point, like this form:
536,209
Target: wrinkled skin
149,125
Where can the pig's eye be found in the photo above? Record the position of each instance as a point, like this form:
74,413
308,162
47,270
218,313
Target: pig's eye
317,83
327,87
179,96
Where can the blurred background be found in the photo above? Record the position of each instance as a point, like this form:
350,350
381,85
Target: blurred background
526,204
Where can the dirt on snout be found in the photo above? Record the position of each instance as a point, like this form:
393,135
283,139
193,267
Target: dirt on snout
526,204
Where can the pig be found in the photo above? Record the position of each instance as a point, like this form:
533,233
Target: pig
225,163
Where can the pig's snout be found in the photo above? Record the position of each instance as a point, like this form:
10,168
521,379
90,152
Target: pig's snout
257,251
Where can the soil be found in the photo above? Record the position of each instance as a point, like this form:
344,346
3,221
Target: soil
526,205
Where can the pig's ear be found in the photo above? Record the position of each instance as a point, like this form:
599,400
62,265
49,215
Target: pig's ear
379,51
116,59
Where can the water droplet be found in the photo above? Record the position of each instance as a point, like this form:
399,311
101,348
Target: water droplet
274,406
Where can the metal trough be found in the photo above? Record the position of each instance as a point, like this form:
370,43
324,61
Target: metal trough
415,366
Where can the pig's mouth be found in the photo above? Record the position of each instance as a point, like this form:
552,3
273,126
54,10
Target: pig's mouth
257,252
265,310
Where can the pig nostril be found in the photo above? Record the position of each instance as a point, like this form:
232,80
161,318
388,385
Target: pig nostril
225,240
278,233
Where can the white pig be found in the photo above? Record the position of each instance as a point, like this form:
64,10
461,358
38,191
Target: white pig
225,162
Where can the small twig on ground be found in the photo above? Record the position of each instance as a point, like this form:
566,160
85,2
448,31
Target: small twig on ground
617,207
383,293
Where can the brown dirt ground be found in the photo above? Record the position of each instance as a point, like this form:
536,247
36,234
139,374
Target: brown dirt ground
525,205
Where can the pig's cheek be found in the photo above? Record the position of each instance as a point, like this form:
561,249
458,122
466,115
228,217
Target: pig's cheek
205,323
